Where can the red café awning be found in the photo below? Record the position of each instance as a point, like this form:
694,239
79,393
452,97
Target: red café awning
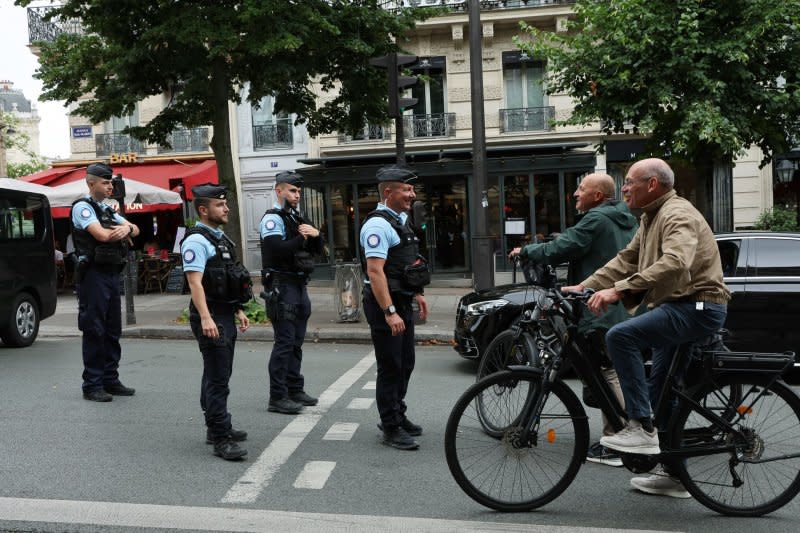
166,175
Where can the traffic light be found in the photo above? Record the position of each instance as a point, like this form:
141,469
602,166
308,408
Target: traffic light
419,215
397,83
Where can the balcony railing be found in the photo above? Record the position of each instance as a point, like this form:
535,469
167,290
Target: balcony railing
373,132
117,143
186,140
461,5
436,125
527,119
40,29
274,135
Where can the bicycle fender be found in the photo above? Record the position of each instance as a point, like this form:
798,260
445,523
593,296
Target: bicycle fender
526,368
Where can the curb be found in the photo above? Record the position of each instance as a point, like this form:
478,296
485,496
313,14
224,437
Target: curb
258,334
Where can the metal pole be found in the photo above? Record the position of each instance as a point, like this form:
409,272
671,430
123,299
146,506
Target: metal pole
129,282
481,253
400,142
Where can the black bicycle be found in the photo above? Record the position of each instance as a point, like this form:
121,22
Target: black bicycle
516,439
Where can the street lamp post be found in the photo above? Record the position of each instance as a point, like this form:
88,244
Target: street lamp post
784,171
481,252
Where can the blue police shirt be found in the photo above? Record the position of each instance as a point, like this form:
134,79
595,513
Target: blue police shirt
196,250
377,235
272,224
83,213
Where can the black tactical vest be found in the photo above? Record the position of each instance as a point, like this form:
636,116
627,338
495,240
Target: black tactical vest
400,257
294,265
87,246
224,280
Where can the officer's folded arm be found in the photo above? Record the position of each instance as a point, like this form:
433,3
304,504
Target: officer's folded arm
117,233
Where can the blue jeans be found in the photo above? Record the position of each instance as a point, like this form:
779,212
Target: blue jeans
663,329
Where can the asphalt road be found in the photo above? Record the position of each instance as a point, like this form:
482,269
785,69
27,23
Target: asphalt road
141,463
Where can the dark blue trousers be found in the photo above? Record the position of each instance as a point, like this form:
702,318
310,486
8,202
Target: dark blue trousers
100,320
217,367
287,351
395,358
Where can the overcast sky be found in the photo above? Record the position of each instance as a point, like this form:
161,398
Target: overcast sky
18,64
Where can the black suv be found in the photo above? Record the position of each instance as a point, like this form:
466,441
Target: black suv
762,270
27,265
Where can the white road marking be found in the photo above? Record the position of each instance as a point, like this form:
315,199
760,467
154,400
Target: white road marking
360,403
369,385
341,431
258,476
314,475
163,517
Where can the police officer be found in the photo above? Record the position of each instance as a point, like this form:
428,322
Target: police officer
288,243
100,237
216,282
396,273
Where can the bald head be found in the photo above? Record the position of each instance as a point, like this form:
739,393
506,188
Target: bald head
655,167
593,190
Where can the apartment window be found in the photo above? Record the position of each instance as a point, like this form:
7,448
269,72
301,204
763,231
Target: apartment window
117,124
270,130
430,89
523,78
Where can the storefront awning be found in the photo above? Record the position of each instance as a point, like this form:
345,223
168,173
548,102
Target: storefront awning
166,175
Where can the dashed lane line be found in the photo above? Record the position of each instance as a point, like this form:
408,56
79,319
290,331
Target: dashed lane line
257,477
341,431
314,475
360,403
369,385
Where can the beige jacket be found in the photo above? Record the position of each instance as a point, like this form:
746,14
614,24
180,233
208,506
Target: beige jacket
673,256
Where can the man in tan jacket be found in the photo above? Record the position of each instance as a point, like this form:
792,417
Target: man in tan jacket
672,265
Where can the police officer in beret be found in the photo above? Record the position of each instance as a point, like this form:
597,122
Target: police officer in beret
288,243
101,237
396,274
209,261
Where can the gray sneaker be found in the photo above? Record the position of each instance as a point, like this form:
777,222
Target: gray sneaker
661,484
633,439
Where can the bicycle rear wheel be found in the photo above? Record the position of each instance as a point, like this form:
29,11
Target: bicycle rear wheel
493,467
768,419
504,350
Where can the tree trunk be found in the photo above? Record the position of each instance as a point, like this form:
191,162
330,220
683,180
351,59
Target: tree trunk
221,145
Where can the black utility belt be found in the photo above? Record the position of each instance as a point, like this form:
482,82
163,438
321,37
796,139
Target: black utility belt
280,277
216,308
397,296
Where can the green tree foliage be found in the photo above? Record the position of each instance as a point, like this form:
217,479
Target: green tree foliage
14,137
779,218
700,77
17,170
201,52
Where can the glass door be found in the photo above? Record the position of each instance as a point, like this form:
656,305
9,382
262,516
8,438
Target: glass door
447,227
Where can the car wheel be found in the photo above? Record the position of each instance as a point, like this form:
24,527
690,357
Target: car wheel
22,326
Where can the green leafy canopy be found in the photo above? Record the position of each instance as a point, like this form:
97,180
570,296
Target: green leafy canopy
700,77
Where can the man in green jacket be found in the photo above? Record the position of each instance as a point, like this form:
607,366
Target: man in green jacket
605,228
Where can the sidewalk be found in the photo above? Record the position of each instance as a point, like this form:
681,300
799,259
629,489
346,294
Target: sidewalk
156,316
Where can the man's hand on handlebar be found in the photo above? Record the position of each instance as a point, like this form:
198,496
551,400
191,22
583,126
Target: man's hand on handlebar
599,302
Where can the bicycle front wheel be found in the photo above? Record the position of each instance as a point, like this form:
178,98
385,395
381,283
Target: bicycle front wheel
505,350
762,473
495,467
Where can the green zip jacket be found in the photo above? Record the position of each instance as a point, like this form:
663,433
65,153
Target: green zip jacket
588,245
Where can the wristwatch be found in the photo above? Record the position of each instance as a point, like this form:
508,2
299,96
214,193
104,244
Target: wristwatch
390,310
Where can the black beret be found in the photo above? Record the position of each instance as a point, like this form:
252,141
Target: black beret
289,176
395,173
101,170
210,190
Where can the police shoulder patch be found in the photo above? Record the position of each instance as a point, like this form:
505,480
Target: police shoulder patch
270,225
373,240
86,213
188,256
